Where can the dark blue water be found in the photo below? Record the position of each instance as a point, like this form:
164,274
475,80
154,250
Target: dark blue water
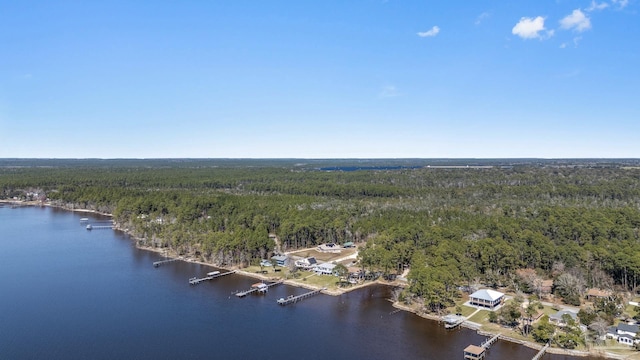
69,293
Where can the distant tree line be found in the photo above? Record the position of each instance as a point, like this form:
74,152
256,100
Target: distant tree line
451,227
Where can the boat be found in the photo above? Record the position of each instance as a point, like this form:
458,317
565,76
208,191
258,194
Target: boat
84,219
213,273
89,227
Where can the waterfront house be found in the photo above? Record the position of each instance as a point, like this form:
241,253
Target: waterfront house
473,352
624,333
559,320
486,298
324,269
306,264
281,260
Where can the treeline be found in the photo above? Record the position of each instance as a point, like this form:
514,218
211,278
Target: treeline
452,227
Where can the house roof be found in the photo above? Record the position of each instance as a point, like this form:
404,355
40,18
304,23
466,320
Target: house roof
598,293
559,314
546,283
474,349
627,327
327,266
487,294
279,257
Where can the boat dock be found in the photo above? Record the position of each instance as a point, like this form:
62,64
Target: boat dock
95,227
158,263
210,276
258,287
491,341
541,352
294,299
473,352
452,321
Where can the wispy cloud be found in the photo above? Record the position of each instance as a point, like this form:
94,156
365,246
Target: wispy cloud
430,33
576,21
621,4
531,28
597,6
389,91
482,17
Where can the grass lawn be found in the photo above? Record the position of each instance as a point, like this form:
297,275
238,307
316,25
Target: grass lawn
481,317
631,310
465,310
327,281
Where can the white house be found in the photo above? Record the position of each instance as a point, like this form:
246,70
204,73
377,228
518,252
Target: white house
624,333
306,264
324,269
486,298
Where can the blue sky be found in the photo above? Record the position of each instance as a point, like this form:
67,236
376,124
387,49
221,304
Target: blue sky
320,79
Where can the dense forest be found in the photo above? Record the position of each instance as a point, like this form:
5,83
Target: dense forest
452,225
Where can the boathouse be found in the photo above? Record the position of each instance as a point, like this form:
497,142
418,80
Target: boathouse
473,352
486,298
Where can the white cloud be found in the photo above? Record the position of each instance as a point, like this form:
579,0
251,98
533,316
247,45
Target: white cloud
577,21
595,6
563,45
530,28
621,3
389,91
430,33
482,17
576,40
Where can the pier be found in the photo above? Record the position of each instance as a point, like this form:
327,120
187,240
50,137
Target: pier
541,352
473,352
294,299
210,276
489,342
258,287
96,227
158,263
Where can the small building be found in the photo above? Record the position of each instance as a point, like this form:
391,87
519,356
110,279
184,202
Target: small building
486,298
558,318
348,244
306,264
265,262
624,333
594,293
330,248
281,260
324,269
473,352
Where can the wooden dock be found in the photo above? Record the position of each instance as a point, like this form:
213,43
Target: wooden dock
161,262
541,352
294,299
262,289
489,342
210,276
98,227
473,352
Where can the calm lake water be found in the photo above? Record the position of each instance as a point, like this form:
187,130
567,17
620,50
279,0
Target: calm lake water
69,293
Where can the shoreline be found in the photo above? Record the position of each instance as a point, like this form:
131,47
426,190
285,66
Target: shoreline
529,344
294,283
